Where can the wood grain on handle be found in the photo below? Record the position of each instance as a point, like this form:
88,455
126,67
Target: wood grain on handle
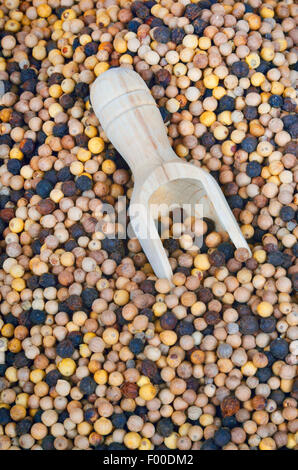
131,120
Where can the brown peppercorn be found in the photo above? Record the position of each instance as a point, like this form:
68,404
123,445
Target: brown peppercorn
130,390
229,406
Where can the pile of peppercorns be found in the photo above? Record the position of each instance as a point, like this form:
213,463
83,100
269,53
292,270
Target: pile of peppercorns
95,352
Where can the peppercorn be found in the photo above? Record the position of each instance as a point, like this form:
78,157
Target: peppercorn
165,427
209,444
287,213
222,437
69,188
4,416
43,188
65,348
37,317
249,325
230,406
52,377
136,346
83,183
279,348
276,101
87,385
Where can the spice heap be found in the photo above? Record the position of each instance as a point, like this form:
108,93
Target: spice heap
98,353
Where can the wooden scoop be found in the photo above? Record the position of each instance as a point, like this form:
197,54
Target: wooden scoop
132,122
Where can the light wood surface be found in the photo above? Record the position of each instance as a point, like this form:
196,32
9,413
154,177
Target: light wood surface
132,122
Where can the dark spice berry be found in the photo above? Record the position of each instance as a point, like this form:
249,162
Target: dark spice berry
162,34
279,348
148,368
249,325
287,213
165,427
229,406
240,69
136,346
192,11
65,348
87,385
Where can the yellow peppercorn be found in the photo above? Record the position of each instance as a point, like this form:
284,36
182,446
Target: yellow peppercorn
44,10
281,43
18,412
147,392
101,377
126,59
249,369
211,81
55,109
16,225
143,380
37,375
16,153
90,131
100,68
225,118
68,14
257,79
22,399
277,88
159,308
168,337
16,270
208,118
254,21
204,43
171,441
265,309
15,346
267,443
108,167
102,18
179,69
88,337
67,259
218,92
18,284
12,25
291,441
67,367
120,45
103,426
39,53
181,150
121,297
96,145
206,419
85,39
145,444
56,195
55,91
132,440
267,54
201,262
84,155
7,330
267,12
11,374
84,350
76,168
253,60
110,336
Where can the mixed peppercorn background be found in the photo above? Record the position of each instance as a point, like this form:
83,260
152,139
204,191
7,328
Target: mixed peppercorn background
98,353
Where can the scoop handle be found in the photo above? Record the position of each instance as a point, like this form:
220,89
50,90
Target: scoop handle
131,120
